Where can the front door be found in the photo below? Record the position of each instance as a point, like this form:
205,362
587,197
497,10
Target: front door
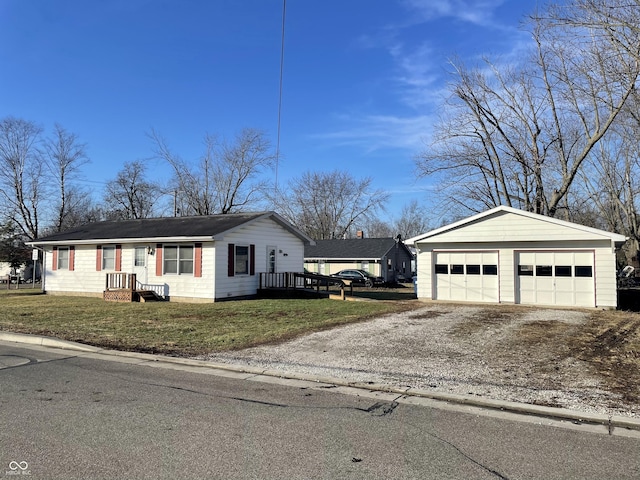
271,259
140,265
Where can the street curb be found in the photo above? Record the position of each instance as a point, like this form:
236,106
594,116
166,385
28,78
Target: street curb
46,342
610,421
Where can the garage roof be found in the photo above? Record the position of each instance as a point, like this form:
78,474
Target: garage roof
511,224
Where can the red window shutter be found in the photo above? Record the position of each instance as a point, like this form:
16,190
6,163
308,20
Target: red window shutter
252,259
159,260
118,258
231,268
54,261
197,261
72,258
98,258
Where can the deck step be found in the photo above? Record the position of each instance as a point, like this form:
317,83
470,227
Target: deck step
148,296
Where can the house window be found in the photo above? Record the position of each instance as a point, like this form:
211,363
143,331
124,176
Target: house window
140,257
365,265
108,258
63,258
584,271
178,259
242,260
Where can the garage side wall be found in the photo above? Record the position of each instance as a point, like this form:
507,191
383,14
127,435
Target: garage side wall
606,281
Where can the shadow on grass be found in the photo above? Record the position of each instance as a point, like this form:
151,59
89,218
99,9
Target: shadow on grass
23,290
397,292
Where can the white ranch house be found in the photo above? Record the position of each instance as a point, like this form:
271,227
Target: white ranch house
506,255
204,258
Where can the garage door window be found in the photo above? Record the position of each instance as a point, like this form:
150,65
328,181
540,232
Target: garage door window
544,270
440,268
489,269
473,269
525,270
584,271
563,270
457,269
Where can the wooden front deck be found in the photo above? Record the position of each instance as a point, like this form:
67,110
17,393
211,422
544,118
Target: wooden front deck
294,284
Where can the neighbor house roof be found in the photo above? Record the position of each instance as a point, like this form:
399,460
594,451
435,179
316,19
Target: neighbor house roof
206,227
350,249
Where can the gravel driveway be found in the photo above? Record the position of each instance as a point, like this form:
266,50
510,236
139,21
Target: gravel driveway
470,350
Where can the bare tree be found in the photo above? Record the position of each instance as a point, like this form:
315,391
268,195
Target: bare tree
21,174
130,195
64,156
329,205
519,136
227,178
376,228
413,220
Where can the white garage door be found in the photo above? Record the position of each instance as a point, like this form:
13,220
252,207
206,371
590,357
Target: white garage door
556,278
466,276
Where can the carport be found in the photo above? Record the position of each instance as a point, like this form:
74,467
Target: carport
506,255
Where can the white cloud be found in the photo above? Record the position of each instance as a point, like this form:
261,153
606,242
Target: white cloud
377,132
478,12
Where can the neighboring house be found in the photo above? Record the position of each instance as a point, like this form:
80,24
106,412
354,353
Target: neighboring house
203,258
506,255
388,258
5,269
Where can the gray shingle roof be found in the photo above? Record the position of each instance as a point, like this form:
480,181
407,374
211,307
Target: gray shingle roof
354,248
168,227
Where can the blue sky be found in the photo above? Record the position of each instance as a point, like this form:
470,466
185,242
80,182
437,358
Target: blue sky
363,79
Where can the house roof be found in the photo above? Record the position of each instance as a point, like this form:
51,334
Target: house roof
350,249
501,210
206,227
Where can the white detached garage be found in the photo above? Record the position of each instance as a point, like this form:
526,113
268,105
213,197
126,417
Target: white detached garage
507,255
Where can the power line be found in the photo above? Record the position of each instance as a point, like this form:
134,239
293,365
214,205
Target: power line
284,13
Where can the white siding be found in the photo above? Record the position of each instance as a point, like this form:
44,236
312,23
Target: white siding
511,227
606,282
84,279
263,233
185,286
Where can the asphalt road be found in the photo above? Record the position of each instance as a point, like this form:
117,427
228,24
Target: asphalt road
71,415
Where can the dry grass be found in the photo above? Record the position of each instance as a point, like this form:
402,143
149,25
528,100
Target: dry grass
179,329
555,352
610,343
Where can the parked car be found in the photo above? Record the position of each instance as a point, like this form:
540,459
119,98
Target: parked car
359,277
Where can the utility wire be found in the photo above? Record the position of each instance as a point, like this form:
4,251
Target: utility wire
284,13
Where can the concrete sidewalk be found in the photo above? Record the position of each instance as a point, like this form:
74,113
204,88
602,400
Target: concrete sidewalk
609,422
